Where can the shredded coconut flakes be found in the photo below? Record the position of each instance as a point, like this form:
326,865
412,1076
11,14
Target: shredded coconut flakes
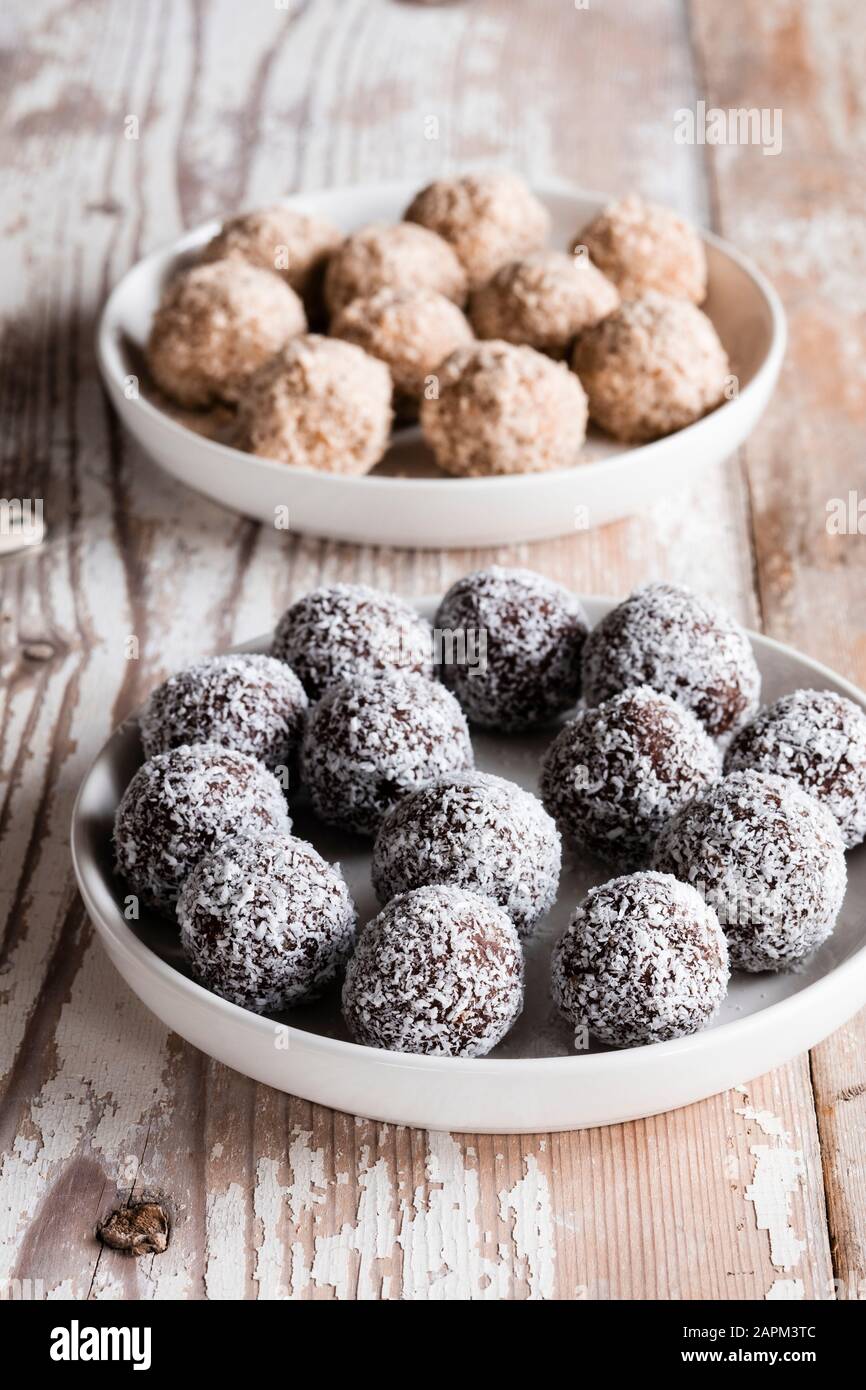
475,831
642,960
438,971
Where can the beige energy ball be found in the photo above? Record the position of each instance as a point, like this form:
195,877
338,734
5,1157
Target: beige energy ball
543,301
642,246
651,367
320,403
504,409
294,244
488,219
410,330
397,256
216,324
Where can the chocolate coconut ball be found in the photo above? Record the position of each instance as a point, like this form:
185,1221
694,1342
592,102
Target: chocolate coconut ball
396,256
504,409
818,739
265,921
543,301
642,246
651,367
642,960
439,972
487,218
474,831
687,647
294,244
614,776
511,647
181,805
770,861
215,325
251,703
320,404
411,331
371,740
341,631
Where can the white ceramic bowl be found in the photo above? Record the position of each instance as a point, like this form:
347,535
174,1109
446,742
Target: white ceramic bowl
406,501
533,1082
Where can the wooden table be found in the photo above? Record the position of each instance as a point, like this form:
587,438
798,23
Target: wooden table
758,1193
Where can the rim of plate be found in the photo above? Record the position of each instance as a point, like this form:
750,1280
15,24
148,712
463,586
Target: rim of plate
121,936
111,365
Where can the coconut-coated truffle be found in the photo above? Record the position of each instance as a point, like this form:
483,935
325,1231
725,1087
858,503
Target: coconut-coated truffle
370,740
216,324
615,774
182,804
294,244
439,971
488,218
412,331
770,861
265,921
687,647
651,367
321,404
340,631
642,960
641,246
254,704
818,739
543,301
500,408
397,256
511,643
475,831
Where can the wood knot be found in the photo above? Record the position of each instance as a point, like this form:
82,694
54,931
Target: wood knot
142,1228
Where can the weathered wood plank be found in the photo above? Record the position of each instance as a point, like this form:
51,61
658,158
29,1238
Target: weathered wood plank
273,1197
801,214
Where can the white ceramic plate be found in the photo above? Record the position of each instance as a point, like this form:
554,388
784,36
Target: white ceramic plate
533,1082
406,501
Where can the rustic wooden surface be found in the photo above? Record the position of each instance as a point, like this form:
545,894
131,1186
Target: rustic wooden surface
758,1193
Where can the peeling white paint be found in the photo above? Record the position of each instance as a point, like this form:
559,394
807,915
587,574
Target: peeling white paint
786,1290
432,1243
111,1055
778,1173
269,1199
767,1123
308,1171
225,1274
302,1274
440,1235
529,1200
